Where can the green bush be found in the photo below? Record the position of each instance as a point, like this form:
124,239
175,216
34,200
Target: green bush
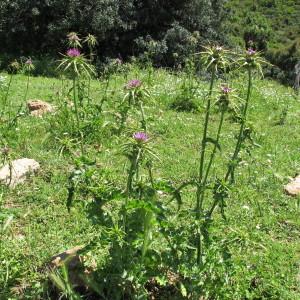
284,61
257,30
40,27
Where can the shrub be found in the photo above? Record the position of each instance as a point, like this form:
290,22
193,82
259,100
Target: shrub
258,31
41,26
284,61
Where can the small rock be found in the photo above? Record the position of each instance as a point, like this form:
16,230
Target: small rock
293,188
71,259
39,107
17,171
69,256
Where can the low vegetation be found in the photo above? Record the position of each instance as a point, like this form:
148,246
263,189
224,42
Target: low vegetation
165,199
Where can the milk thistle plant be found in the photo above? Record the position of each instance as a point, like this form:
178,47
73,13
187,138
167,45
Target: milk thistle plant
136,149
73,40
92,42
135,96
215,59
13,68
139,154
251,61
76,65
28,68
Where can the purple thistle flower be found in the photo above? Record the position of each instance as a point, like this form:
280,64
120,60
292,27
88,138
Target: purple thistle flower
73,52
226,89
140,137
251,52
134,83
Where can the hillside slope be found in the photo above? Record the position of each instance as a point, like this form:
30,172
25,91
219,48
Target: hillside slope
281,17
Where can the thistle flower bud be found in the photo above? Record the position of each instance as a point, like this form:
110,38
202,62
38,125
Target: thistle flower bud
215,57
14,65
73,40
29,62
72,36
29,66
91,40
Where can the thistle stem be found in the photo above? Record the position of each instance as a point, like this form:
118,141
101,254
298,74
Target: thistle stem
232,166
131,172
148,219
212,156
77,113
147,232
143,121
27,87
6,96
201,167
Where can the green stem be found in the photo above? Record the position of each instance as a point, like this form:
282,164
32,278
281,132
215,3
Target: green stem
89,88
147,232
143,121
77,113
104,97
27,87
231,167
206,121
212,156
6,97
201,166
148,218
131,172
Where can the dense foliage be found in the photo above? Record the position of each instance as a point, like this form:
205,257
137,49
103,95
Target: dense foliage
273,26
122,27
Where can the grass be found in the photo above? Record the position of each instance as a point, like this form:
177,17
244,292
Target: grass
262,229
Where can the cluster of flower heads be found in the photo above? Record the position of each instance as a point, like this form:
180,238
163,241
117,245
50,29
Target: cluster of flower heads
141,137
133,84
73,52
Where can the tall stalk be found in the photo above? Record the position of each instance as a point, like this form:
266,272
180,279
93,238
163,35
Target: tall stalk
200,186
133,170
143,121
77,113
212,156
27,87
148,218
232,164
6,97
